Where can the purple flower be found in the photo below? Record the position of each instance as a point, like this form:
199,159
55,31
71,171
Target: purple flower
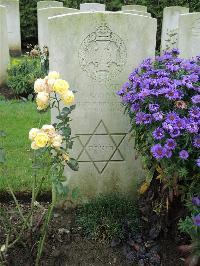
154,107
170,144
171,117
192,127
158,133
175,132
168,153
181,123
196,99
198,162
158,116
158,151
196,201
196,220
135,107
147,119
174,94
195,112
196,141
139,119
183,154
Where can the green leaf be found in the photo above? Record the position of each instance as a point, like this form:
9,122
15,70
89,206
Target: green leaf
75,193
66,131
73,164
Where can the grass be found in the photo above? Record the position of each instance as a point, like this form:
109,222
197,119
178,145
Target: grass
105,215
17,118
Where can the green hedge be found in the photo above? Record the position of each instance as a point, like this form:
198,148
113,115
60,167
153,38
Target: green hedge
28,11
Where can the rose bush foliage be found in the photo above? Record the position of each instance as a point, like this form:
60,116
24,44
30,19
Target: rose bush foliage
162,97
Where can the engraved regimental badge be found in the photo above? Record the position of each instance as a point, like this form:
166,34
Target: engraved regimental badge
102,54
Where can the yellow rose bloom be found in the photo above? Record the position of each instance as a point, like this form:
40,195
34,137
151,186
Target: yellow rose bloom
61,86
49,130
39,85
33,132
68,97
56,141
34,146
53,75
41,140
42,100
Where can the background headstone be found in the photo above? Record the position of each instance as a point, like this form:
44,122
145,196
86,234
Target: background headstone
170,26
4,48
92,7
189,35
45,4
141,13
13,25
134,7
96,52
43,15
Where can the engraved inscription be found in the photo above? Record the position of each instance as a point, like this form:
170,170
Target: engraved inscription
102,54
100,147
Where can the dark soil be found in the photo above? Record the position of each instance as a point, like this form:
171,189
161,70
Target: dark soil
7,93
67,245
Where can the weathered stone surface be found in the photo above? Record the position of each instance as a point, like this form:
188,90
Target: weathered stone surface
13,25
134,7
4,48
92,7
136,12
45,4
43,15
189,35
96,52
170,26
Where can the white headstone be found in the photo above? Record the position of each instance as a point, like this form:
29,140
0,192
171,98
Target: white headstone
43,15
141,13
13,25
189,35
45,4
134,7
4,48
170,26
92,7
96,52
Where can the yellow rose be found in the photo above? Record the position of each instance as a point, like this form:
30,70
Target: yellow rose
42,100
34,146
56,141
33,132
39,85
49,130
68,97
61,86
50,83
53,75
41,140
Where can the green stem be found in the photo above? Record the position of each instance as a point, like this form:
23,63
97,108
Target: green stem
16,203
45,227
27,219
33,191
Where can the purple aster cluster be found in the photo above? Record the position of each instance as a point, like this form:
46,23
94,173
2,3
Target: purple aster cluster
163,96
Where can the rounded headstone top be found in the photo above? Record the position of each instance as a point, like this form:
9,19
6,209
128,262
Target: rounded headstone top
134,7
92,7
45,4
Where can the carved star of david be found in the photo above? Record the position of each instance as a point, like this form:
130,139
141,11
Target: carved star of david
100,147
